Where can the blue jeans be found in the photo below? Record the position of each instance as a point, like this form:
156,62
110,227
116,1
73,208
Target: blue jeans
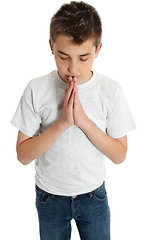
90,212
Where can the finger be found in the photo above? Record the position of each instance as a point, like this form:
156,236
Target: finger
74,79
69,89
68,93
70,79
75,98
70,104
75,87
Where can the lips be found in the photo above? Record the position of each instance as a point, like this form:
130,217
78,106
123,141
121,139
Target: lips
71,76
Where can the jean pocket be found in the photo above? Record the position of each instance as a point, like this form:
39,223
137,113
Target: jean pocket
42,196
100,194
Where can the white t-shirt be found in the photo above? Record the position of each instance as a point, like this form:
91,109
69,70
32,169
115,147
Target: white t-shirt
72,165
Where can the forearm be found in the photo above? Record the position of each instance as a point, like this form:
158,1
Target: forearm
34,147
110,147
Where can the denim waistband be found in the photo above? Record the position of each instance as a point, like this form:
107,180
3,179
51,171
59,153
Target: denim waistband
79,196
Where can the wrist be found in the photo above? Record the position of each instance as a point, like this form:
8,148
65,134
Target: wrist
62,125
86,124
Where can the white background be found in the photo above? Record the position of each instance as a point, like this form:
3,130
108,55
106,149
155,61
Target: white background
131,56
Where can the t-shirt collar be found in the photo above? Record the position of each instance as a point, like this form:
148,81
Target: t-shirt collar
64,85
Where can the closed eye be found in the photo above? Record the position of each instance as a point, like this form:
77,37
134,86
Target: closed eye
83,60
63,58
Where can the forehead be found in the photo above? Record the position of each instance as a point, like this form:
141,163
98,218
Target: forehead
66,44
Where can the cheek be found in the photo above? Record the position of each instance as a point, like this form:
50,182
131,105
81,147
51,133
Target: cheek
60,65
87,66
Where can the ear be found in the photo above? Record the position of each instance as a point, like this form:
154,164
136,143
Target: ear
98,50
51,46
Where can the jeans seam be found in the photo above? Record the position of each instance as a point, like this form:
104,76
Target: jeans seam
69,232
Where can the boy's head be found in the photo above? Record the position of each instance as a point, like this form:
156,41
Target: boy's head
75,40
78,20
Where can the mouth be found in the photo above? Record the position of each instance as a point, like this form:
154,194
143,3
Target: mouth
73,77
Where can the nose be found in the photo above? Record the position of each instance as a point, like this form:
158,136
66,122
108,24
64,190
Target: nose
72,68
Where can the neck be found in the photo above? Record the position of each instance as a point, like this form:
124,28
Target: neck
85,80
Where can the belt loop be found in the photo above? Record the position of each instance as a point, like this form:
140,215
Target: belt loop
74,196
91,194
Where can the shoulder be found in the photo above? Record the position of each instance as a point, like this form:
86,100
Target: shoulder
41,83
110,87
39,90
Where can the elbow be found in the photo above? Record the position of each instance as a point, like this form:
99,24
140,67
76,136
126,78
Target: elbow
23,155
23,159
120,158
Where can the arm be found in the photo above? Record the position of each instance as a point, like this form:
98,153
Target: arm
114,149
30,148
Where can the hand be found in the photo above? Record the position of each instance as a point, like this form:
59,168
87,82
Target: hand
80,118
67,114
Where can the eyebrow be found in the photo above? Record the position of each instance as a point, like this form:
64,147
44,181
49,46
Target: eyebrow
82,55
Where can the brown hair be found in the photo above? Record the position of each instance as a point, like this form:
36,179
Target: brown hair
78,20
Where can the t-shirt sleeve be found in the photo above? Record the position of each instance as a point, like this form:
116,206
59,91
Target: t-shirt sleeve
26,118
120,119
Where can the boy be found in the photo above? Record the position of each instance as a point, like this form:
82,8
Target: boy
68,120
